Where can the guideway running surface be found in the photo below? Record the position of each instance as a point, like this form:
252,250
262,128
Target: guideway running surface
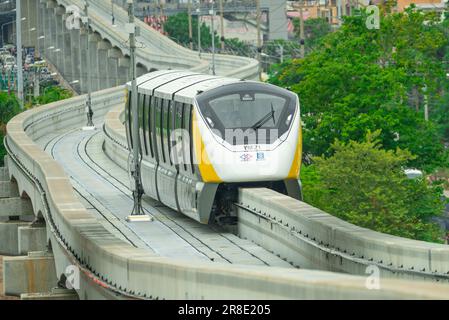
171,234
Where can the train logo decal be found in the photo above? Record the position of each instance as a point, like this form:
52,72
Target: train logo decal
260,156
246,157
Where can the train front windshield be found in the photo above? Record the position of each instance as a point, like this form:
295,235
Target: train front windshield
263,110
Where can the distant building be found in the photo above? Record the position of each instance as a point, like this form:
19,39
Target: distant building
432,5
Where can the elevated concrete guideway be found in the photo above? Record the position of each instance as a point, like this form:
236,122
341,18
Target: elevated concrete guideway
111,266
53,26
71,184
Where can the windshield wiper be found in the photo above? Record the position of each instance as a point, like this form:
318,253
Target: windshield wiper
264,120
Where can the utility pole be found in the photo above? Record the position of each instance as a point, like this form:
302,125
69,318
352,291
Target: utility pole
89,112
426,104
189,13
213,37
301,29
281,52
19,52
112,12
198,10
259,41
137,213
222,38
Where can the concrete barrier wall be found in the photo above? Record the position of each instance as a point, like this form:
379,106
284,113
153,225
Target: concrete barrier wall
313,238
112,265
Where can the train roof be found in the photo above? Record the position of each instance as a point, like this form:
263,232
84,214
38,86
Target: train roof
185,85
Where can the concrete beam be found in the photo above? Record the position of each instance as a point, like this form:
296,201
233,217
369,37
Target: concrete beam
4,175
55,294
29,274
9,237
32,239
15,207
8,189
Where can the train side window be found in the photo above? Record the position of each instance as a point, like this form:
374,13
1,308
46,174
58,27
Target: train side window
178,144
162,127
165,118
188,154
153,112
190,110
170,106
140,113
158,138
184,142
129,118
148,118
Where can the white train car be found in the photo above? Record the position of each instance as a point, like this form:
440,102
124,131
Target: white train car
202,137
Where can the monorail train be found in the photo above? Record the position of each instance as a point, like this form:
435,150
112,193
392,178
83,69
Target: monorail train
202,137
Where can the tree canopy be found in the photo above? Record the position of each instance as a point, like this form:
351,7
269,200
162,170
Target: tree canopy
366,185
359,79
9,107
177,27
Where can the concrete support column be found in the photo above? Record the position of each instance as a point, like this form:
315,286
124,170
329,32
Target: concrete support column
84,78
141,70
94,38
32,17
67,51
40,27
124,65
75,39
25,23
29,274
59,16
47,31
32,238
102,60
51,55
114,54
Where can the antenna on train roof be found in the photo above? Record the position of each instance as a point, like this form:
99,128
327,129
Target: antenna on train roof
137,214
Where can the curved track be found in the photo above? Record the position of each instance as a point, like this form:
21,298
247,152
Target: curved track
116,261
170,234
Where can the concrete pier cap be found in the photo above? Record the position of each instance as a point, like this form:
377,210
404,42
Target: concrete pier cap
51,4
124,62
60,10
94,37
104,45
115,53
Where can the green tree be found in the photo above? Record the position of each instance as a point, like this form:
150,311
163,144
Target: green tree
177,27
53,94
315,29
366,185
9,107
360,79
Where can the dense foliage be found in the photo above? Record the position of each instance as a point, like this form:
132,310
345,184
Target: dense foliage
314,31
366,185
177,27
359,79
53,94
9,107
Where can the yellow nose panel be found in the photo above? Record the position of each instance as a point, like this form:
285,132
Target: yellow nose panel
208,173
296,164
